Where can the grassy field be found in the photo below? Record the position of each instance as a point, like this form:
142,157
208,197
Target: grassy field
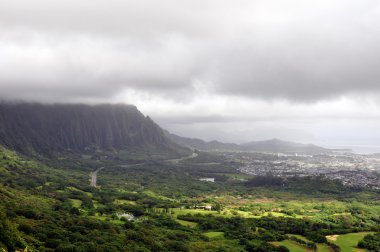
179,211
300,237
215,235
157,196
321,247
228,212
348,242
291,245
295,247
224,213
122,202
187,223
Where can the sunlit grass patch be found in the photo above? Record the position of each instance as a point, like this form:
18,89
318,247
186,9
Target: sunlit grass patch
321,247
178,211
214,235
155,195
348,242
122,202
187,223
292,246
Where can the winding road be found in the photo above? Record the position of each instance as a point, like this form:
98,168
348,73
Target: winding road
93,176
174,161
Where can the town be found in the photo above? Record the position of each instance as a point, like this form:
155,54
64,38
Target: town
351,169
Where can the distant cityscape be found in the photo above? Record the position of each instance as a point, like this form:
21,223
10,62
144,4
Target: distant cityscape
351,169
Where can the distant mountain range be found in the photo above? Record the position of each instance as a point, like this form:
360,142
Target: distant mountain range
276,145
32,128
199,144
273,145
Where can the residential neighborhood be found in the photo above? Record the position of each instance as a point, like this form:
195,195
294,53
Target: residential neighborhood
349,168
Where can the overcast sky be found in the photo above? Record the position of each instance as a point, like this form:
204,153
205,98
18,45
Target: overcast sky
235,71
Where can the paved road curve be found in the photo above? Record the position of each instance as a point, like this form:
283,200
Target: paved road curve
93,176
175,161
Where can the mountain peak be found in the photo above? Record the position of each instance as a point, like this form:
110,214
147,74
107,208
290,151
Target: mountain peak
271,145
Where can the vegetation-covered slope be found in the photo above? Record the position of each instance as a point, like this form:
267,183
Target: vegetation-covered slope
45,129
53,208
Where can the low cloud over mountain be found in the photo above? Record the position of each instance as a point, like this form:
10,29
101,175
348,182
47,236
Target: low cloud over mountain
320,56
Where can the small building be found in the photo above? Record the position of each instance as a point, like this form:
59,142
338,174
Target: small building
208,208
207,179
127,216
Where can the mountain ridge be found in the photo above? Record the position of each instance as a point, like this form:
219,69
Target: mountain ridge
272,145
54,128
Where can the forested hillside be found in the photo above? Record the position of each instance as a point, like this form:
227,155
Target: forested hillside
48,129
159,207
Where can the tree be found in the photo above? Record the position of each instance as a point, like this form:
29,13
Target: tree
9,235
370,242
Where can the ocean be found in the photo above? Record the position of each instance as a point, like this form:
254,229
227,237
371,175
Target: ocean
359,149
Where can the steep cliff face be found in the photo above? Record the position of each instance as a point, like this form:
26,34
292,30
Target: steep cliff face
28,128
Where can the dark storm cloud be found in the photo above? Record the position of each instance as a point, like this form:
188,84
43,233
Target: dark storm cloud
95,50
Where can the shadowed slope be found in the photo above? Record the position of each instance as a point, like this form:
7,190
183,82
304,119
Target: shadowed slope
46,129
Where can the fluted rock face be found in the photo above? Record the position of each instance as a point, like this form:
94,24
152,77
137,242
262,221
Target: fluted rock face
53,128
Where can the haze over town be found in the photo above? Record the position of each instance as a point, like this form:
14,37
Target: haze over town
234,71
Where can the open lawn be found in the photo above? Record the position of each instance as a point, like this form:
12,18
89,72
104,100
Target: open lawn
228,213
187,223
178,211
157,196
122,202
291,245
321,247
215,235
224,213
348,242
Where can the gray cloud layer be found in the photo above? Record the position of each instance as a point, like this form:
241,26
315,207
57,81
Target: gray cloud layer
93,50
